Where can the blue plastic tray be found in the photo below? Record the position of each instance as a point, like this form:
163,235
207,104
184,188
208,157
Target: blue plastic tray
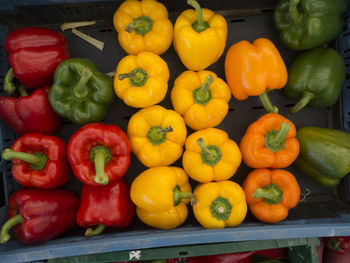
324,213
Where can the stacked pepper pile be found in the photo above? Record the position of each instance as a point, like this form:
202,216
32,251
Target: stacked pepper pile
99,154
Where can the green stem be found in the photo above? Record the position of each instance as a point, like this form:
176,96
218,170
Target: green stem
305,99
9,86
157,135
202,95
274,140
100,155
141,25
126,75
36,160
137,77
94,232
221,208
271,194
294,13
22,90
165,130
4,235
210,154
265,101
199,25
179,195
80,90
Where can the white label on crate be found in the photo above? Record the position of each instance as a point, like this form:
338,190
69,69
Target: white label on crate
135,254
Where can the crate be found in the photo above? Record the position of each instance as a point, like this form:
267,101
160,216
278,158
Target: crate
325,212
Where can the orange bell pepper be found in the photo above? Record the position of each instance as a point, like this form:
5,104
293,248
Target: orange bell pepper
271,193
254,69
270,142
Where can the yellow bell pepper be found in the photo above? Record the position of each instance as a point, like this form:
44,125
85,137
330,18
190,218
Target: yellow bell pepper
160,195
211,156
220,204
143,26
157,135
199,37
201,98
141,80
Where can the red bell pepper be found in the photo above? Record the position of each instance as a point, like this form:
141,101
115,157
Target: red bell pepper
99,153
39,161
105,206
33,113
39,215
338,244
34,54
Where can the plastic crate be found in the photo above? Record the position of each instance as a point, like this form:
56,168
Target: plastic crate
325,212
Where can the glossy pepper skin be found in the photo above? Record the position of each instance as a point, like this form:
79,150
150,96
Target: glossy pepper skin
316,77
254,69
270,142
324,154
157,136
34,54
199,37
39,160
105,206
201,98
306,24
141,80
38,215
79,92
219,204
30,113
271,194
160,195
99,153
210,155
143,26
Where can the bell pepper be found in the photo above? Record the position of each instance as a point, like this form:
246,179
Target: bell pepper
160,195
79,92
105,206
324,154
38,215
39,161
316,77
141,80
210,155
30,113
254,69
34,54
143,26
338,244
270,142
157,135
99,153
201,98
271,194
219,204
309,23
199,37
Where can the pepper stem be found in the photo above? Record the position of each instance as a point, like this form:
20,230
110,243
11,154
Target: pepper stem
126,75
202,95
265,101
137,77
94,232
157,135
100,155
199,25
4,235
80,91
179,195
37,160
305,99
296,16
210,154
22,90
274,140
9,86
221,208
271,194
141,25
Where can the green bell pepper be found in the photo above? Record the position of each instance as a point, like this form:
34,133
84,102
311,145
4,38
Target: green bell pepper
324,154
79,92
306,24
316,77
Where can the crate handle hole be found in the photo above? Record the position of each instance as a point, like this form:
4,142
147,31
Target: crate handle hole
239,20
231,109
258,107
183,253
